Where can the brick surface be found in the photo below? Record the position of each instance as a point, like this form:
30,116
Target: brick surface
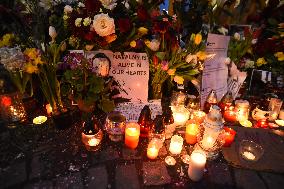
72,181
97,178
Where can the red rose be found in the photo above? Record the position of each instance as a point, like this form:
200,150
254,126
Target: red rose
142,14
6,101
124,25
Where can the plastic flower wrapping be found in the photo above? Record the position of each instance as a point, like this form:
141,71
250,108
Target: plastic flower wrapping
12,58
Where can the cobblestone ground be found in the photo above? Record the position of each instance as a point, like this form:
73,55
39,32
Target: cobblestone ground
45,157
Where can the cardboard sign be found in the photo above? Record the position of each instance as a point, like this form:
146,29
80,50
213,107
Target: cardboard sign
215,71
132,110
130,70
235,80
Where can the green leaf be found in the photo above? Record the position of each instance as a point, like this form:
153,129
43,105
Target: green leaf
161,55
107,105
97,85
79,87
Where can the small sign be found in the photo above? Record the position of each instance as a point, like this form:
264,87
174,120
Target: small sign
235,80
132,110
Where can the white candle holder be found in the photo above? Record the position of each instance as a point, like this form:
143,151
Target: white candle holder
176,145
196,165
180,114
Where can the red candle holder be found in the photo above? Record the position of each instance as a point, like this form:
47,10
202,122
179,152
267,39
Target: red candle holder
262,123
229,136
230,114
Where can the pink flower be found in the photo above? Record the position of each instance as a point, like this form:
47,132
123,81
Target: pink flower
165,65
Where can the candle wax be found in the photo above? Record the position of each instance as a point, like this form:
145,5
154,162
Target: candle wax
39,120
93,142
152,152
191,133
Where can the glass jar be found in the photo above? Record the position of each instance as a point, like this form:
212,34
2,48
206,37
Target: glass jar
115,126
12,108
242,110
92,135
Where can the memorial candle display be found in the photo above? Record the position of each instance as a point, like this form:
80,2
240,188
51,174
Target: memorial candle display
229,136
198,116
242,109
196,165
176,144
191,133
132,132
153,150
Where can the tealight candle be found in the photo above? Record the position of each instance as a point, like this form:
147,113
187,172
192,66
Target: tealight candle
132,132
94,142
248,155
229,136
170,161
196,165
176,144
152,152
229,114
191,133
39,120
180,114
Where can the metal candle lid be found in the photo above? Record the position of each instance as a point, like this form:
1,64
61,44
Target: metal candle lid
212,97
214,119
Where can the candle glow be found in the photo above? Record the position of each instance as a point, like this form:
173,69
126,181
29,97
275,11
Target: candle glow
39,120
176,144
248,155
152,152
197,165
208,142
132,133
94,142
191,133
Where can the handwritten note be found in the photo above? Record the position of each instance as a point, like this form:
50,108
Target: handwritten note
215,71
132,110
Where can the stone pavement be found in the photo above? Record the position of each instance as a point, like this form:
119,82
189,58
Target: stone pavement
44,157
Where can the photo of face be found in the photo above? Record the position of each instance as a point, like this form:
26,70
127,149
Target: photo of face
101,65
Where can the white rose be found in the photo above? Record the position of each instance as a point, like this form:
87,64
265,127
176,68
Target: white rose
109,4
154,45
52,32
87,21
223,30
80,4
249,64
237,36
254,41
78,22
68,9
103,25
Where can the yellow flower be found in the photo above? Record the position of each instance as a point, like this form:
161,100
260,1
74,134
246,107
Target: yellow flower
280,56
201,55
142,31
38,61
260,61
198,39
178,79
7,40
111,38
30,68
147,43
133,44
171,71
31,53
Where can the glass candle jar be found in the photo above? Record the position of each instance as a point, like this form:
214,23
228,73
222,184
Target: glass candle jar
132,132
176,144
180,114
115,126
242,110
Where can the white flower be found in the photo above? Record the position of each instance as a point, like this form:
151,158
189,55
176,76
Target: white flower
249,63
190,58
103,25
78,22
223,30
52,32
87,21
80,4
237,3
154,45
109,4
227,61
68,9
126,4
237,36
254,41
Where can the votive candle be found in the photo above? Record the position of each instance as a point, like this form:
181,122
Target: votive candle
191,132
229,136
132,132
152,152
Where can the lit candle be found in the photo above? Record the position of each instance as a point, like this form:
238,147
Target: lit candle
246,123
191,133
176,144
242,109
48,109
281,114
229,136
39,120
248,155
196,165
279,122
208,142
152,152
180,114
132,132
262,123
229,114
198,116
94,142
